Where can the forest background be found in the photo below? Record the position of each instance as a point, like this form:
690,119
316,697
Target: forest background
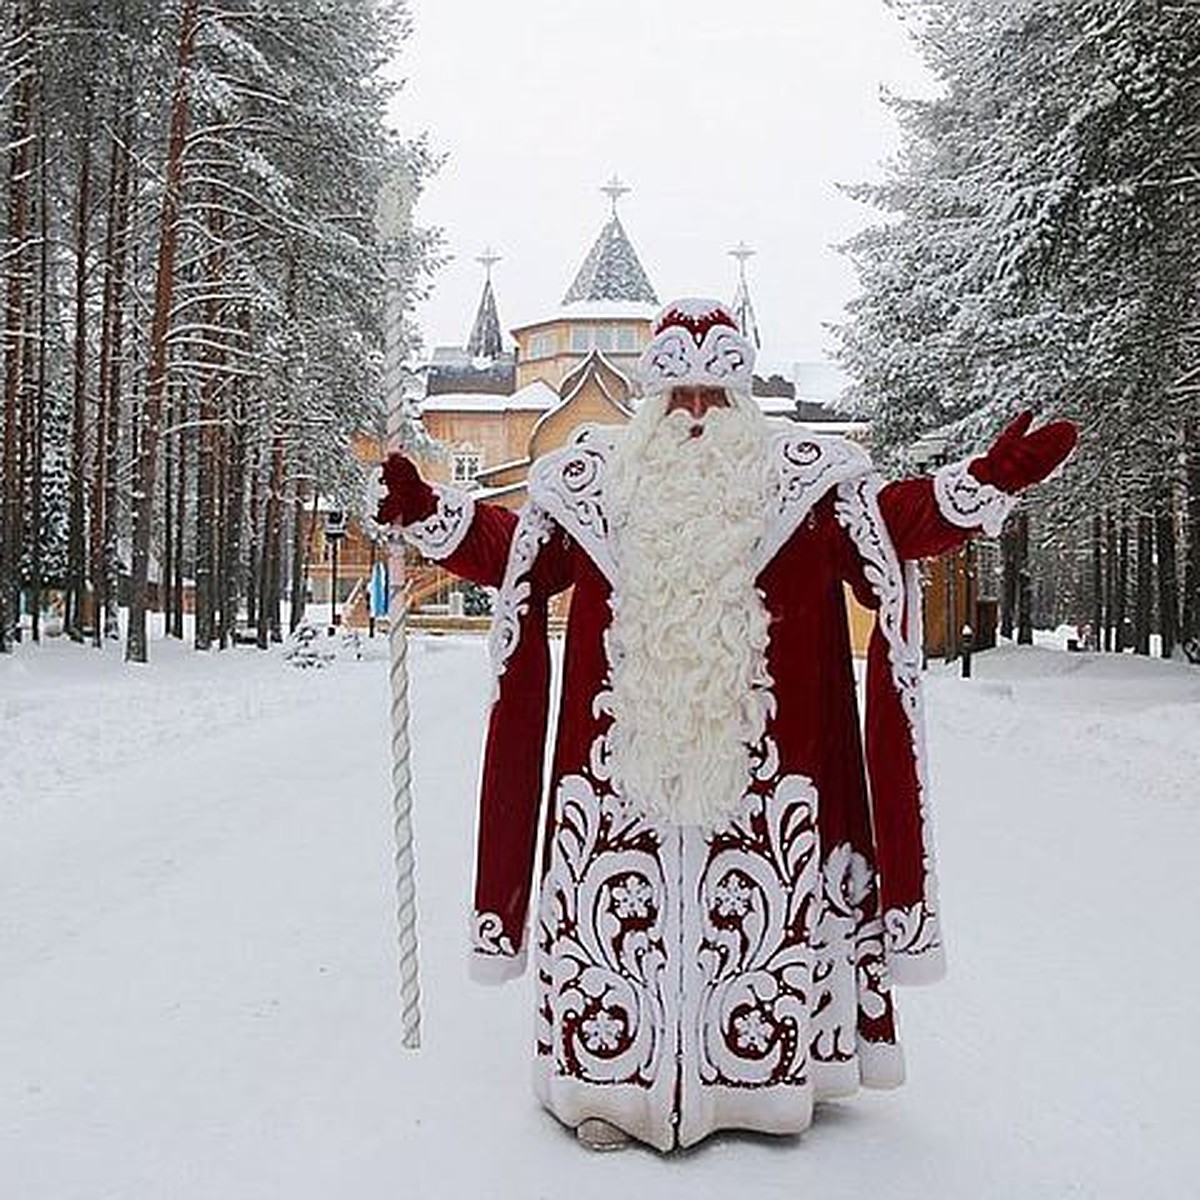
194,281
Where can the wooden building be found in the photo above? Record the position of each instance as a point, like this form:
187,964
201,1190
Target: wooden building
495,410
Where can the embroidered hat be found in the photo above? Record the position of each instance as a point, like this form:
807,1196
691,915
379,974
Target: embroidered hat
696,343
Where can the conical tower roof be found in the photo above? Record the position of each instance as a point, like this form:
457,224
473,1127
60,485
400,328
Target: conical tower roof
611,270
485,341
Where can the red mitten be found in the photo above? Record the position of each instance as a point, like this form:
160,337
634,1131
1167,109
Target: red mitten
409,498
1019,458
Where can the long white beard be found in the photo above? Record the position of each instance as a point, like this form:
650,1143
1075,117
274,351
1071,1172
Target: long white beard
687,645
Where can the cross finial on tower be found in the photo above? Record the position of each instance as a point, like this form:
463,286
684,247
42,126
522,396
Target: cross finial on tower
488,259
614,189
742,252
743,307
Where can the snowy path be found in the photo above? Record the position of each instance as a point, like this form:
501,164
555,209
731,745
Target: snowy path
197,983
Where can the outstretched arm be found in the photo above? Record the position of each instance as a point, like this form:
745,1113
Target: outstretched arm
445,523
927,517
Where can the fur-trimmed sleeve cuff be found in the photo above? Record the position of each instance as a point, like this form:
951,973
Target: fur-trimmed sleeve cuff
442,532
913,939
967,503
494,959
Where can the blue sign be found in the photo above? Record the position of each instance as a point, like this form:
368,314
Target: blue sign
379,590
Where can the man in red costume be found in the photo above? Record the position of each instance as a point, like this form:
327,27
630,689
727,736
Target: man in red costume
732,877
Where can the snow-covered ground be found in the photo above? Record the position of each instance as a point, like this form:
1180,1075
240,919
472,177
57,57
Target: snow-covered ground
197,982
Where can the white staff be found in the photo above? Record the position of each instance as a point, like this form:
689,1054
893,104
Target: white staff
393,220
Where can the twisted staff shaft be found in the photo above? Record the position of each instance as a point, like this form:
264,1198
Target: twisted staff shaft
393,220
405,859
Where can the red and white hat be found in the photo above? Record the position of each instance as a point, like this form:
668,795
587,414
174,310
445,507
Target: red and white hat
696,343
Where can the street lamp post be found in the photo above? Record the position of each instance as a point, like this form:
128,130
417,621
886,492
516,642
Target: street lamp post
335,530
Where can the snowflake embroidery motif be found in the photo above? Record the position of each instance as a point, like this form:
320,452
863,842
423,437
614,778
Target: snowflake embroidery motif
602,1031
632,898
753,1031
732,896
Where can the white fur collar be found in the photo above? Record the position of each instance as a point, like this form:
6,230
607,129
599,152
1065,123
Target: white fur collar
568,484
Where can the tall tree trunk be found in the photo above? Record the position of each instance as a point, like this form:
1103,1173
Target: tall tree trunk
27,455
39,417
143,508
235,493
275,562
115,282
224,434
253,535
296,614
102,462
181,474
1024,583
1097,581
14,337
206,534
1143,587
206,518
1168,580
1110,582
266,557
77,581
1121,589
166,568
1191,571
1009,573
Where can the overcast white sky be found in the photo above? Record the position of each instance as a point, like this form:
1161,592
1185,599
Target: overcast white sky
728,120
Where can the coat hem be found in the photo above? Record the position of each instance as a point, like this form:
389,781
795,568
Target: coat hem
909,970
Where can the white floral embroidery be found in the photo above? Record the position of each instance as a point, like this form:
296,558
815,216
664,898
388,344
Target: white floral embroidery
602,1031
490,937
533,530
872,982
898,587
753,1031
802,467
723,359
442,532
569,485
969,504
732,896
848,880
911,930
632,898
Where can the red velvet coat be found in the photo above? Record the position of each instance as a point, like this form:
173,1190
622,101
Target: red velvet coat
690,979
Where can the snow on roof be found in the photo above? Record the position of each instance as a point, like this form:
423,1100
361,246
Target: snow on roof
772,405
593,310
836,428
816,381
537,396
609,310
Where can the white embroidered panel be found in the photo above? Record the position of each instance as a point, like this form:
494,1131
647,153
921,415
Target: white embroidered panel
912,933
673,359
488,936
442,532
737,942
533,530
801,467
964,501
569,484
